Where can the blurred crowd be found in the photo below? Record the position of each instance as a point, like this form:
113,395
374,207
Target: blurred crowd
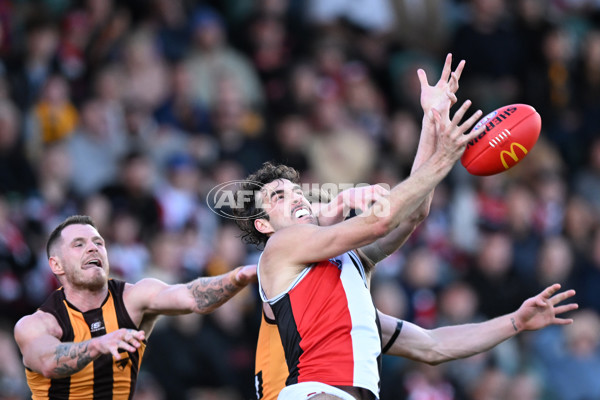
130,111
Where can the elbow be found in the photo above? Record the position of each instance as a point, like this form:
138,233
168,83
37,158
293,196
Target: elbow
429,358
433,361
436,357
49,371
419,215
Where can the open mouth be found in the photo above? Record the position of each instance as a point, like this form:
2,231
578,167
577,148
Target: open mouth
93,263
301,212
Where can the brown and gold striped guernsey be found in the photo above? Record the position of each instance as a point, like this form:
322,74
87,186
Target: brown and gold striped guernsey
105,377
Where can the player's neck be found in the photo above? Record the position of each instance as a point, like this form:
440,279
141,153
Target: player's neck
86,299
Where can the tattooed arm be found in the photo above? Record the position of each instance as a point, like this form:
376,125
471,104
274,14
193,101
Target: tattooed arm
202,295
38,338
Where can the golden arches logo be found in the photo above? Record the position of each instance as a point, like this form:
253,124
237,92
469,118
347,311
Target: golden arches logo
512,154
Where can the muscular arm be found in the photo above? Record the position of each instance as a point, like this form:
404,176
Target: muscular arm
37,336
202,295
441,97
385,215
434,346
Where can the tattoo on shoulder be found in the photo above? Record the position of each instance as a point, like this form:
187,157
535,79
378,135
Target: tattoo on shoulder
66,353
210,291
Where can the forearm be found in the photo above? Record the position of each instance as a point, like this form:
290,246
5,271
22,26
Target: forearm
425,150
396,238
427,142
68,358
460,341
408,196
209,293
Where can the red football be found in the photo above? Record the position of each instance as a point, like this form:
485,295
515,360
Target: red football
510,133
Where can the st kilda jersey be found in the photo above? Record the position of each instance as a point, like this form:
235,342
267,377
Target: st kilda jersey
329,326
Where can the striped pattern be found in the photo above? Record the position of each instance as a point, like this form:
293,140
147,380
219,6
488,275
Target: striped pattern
328,325
105,377
270,370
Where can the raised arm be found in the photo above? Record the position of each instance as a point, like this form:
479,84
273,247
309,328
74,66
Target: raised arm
320,243
440,97
37,336
434,346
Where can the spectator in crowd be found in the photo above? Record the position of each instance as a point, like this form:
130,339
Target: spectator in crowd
17,175
54,117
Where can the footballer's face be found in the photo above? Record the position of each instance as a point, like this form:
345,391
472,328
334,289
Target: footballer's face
286,205
80,257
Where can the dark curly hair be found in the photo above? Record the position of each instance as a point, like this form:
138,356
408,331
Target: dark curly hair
247,214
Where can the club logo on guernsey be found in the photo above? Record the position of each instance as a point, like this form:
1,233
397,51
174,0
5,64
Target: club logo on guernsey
122,363
337,262
512,154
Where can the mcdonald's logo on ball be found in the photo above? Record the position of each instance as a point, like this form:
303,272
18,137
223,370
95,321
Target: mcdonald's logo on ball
512,154
509,135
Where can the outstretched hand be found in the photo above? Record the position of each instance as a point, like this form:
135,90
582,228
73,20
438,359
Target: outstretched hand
452,134
123,339
442,95
540,311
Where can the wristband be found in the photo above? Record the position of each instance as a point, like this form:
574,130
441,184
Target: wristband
393,338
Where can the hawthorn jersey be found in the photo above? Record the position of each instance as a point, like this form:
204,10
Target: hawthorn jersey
270,369
105,377
328,325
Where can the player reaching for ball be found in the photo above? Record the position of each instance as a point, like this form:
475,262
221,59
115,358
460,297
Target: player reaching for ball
403,338
306,271
88,339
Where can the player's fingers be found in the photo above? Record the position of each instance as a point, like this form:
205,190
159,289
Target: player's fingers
115,353
453,84
467,137
126,346
540,302
468,124
460,113
562,296
563,321
422,78
459,69
132,341
565,308
447,68
452,97
139,335
550,290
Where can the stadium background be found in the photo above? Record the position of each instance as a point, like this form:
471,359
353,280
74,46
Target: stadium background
131,111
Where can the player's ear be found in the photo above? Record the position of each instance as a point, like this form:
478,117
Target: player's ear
263,226
56,266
